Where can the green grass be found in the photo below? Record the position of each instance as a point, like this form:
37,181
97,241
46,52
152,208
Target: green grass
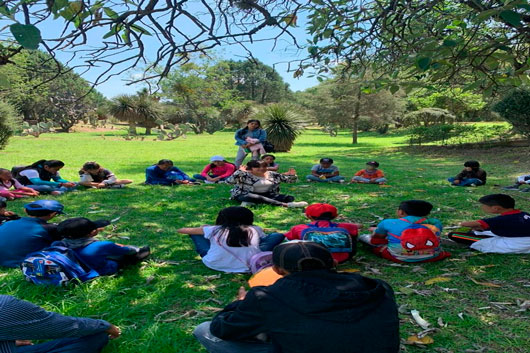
175,279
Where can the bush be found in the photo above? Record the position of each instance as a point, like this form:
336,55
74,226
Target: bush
282,124
515,108
428,117
8,122
439,133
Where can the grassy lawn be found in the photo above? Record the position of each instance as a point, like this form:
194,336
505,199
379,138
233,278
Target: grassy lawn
158,304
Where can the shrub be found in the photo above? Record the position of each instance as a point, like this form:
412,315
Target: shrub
8,119
515,108
428,117
282,124
439,133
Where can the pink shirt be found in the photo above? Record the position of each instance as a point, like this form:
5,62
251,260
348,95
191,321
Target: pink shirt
6,185
223,171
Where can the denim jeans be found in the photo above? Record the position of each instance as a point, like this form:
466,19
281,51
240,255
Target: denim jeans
216,345
336,178
366,180
200,177
241,155
46,189
466,182
202,245
86,344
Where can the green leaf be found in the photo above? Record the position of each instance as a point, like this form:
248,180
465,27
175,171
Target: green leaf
72,11
524,6
58,5
394,89
4,10
511,17
4,81
484,15
450,43
110,12
423,63
26,35
139,29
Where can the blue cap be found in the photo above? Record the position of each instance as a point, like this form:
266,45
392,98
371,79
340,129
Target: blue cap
45,205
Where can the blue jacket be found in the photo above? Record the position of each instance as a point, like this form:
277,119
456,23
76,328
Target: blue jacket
103,256
256,134
156,176
22,237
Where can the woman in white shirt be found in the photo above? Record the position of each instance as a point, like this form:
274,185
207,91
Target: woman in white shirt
229,245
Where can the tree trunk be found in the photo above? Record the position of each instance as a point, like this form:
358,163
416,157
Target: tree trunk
148,130
356,117
132,127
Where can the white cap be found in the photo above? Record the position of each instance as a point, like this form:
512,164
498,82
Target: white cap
217,159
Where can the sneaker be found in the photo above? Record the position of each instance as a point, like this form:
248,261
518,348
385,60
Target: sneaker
117,186
473,185
308,180
208,182
525,190
297,204
341,181
247,204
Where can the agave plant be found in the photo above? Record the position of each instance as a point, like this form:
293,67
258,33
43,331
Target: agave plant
282,124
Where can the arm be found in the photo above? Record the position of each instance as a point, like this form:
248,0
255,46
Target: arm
236,177
262,135
205,171
314,171
111,179
274,168
478,225
57,177
239,140
230,169
191,231
24,320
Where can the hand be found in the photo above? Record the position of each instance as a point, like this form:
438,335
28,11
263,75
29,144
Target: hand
68,184
290,172
20,343
245,145
101,185
183,181
114,332
35,192
9,213
209,178
456,182
242,168
215,179
242,293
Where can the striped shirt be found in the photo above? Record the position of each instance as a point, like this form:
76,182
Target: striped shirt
22,320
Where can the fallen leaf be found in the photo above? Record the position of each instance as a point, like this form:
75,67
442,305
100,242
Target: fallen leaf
487,284
350,270
461,316
406,290
123,237
414,339
436,280
375,271
424,324
114,220
419,190
441,322
96,211
418,269
385,186
403,309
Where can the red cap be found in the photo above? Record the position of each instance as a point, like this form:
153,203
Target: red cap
317,209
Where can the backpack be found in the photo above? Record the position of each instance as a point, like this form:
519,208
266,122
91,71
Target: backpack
56,265
419,237
15,171
260,261
334,238
268,147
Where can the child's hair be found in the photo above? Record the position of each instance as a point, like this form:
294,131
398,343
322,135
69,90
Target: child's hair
418,208
3,170
3,204
165,161
236,220
268,155
212,165
39,213
254,164
472,164
373,164
326,216
326,160
245,129
503,200
52,163
89,166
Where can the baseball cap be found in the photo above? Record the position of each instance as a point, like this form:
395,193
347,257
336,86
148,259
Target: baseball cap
79,226
45,205
217,159
373,163
317,209
296,256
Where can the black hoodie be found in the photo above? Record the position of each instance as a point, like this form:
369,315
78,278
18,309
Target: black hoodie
316,311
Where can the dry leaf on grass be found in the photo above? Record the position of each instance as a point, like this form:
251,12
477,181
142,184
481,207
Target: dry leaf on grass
375,271
424,324
350,270
486,284
441,322
414,339
436,280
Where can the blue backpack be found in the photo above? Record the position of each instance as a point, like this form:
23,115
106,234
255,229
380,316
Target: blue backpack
333,237
56,265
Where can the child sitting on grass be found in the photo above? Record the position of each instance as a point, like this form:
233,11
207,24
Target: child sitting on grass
93,175
165,173
321,215
410,238
229,245
6,215
217,171
105,257
521,180
471,175
11,188
325,172
507,233
271,164
369,175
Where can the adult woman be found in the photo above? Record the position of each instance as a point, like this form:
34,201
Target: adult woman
250,135
44,177
257,185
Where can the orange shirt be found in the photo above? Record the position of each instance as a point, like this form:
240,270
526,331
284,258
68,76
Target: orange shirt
373,175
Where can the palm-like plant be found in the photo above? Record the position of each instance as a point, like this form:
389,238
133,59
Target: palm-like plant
282,124
123,108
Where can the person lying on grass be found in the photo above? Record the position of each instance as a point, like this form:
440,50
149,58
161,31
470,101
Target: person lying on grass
165,173
325,172
94,176
321,215
232,241
507,233
369,175
23,236
312,309
521,180
413,237
217,171
106,257
472,175
256,185
6,215
11,189
44,177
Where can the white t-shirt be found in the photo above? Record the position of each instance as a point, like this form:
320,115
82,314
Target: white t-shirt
263,185
223,258
34,174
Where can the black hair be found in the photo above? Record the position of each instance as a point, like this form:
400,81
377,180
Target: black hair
89,166
237,220
472,164
503,200
244,130
268,155
52,163
373,163
328,160
325,216
255,164
3,170
3,204
418,208
39,213
165,161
